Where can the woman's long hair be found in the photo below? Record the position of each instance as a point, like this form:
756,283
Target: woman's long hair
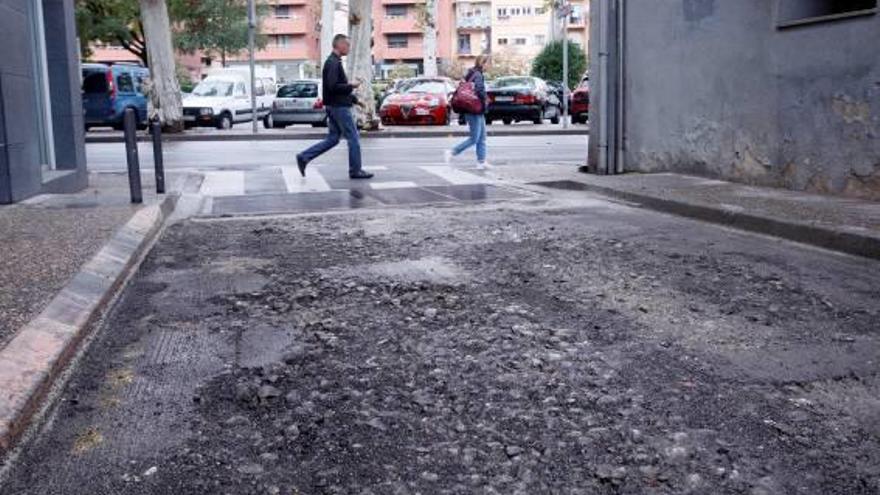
480,62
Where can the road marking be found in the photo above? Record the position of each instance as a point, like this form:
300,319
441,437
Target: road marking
376,168
398,184
455,176
296,183
223,183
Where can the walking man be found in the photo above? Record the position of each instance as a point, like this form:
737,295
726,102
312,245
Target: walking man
338,98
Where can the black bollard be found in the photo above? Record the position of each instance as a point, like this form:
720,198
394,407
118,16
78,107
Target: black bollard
131,155
158,163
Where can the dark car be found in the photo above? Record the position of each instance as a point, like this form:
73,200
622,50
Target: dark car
518,98
580,102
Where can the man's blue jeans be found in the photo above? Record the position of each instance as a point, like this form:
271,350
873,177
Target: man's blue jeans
340,123
477,125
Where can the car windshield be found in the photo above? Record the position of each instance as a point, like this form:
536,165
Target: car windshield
94,81
298,90
213,87
514,82
426,87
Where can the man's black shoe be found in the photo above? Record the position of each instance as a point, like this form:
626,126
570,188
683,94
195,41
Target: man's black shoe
301,165
360,175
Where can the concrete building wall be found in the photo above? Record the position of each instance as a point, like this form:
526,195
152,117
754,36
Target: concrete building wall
22,173
718,88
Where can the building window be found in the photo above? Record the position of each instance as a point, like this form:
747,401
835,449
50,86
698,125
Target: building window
502,41
540,10
398,41
502,13
283,40
282,12
464,44
540,39
798,12
519,41
395,11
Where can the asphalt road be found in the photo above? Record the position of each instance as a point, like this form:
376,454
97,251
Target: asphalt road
103,157
562,344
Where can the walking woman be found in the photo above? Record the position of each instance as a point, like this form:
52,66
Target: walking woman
476,121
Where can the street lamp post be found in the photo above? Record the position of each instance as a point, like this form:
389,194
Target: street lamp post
252,28
566,12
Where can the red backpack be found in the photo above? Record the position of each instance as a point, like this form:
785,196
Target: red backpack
465,99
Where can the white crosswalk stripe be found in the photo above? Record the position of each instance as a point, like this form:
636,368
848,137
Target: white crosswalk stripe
455,176
223,183
394,184
296,183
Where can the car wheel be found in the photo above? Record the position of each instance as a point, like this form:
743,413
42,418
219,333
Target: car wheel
269,122
555,118
507,121
224,122
489,121
461,120
448,119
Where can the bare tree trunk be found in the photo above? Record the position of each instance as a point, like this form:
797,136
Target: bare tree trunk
166,90
429,42
360,60
328,9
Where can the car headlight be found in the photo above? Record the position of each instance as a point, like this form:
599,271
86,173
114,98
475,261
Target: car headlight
433,102
206,111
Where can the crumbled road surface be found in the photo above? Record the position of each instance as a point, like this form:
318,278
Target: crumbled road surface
568,347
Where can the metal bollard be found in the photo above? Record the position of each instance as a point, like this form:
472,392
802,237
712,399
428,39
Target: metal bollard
158,163
131,155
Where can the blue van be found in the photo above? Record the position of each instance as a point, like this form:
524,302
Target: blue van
107,90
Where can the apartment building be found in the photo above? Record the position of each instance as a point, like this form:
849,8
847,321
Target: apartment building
398,35
521,28
293,46
473,29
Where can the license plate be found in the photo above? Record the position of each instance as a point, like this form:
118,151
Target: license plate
189,118
296,104
503,98
422,111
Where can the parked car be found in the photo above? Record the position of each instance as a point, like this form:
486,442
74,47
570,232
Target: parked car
224,98
556,88
422,100
580,102
518,98
298,102
108,90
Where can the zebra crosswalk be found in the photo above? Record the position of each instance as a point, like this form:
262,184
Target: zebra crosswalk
287,180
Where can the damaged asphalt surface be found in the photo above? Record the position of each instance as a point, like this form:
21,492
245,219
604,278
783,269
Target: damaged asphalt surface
516,348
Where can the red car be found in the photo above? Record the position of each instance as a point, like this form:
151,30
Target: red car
420,101
580,102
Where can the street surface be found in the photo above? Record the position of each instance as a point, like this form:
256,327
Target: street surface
505,338
377,151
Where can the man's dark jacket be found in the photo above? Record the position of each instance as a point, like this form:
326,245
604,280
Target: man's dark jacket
337,92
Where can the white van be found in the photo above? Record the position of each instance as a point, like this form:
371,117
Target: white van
223,99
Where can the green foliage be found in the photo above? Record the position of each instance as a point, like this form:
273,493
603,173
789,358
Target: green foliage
401,71
216,27
548,64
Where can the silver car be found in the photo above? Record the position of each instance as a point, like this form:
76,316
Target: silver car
298,102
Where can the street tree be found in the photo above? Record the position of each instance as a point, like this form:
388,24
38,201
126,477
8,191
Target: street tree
165,91
360,61
427,21
548,64
328,9
113,22
214,27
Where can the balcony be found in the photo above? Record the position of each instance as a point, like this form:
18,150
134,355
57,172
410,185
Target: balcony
413,50
392,2
289,2
292,25
577,22
400,25
473,22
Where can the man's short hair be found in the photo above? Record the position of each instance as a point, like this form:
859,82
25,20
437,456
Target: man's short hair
339,38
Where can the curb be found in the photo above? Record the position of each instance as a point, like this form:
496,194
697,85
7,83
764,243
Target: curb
33,360
280,136
850,240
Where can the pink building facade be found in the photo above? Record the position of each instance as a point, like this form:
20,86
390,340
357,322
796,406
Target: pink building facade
398,39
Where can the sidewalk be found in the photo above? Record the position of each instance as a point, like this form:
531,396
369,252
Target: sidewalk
842,224
64,259
242,132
